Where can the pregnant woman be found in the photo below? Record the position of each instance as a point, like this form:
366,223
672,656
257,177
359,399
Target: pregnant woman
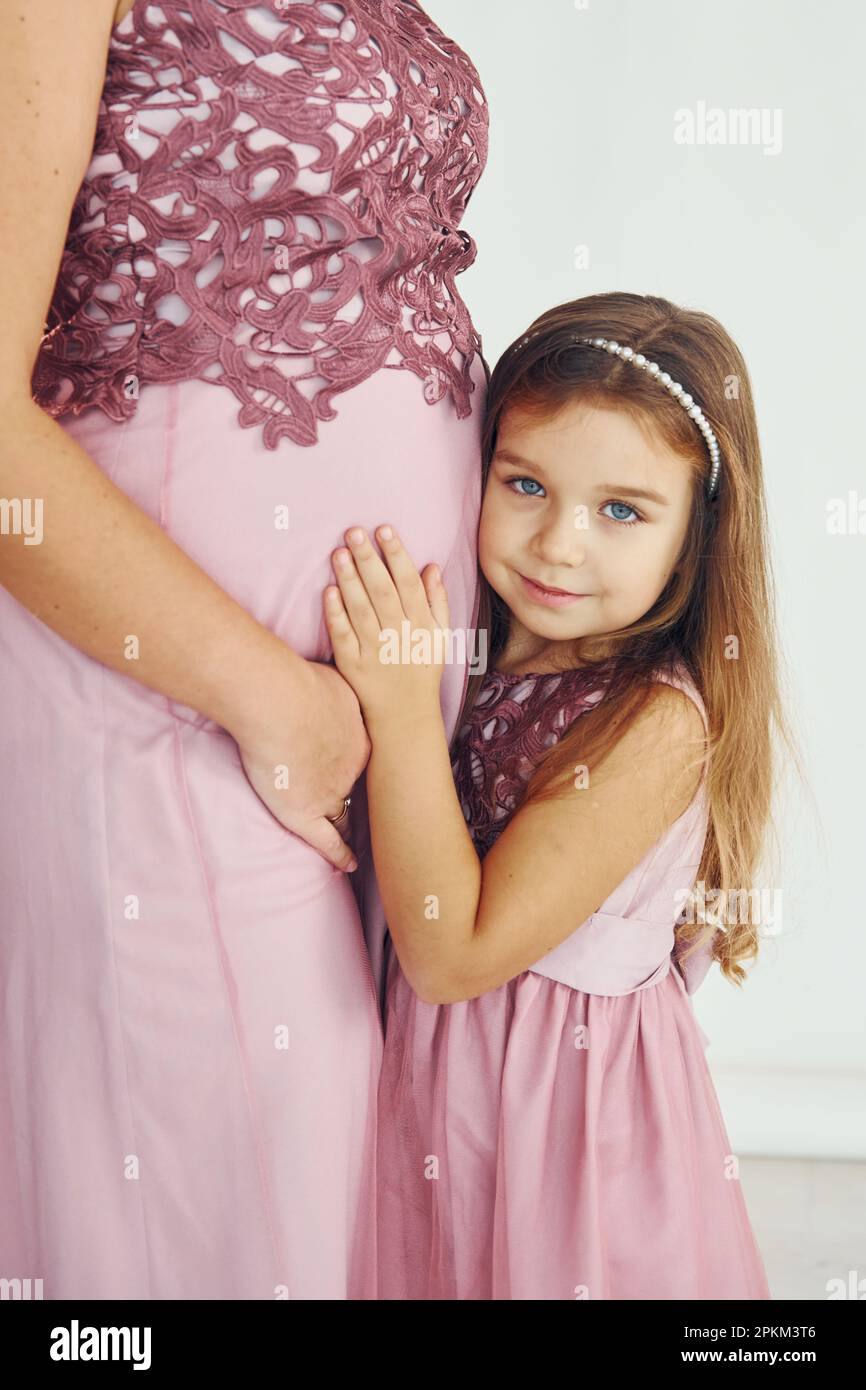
228,253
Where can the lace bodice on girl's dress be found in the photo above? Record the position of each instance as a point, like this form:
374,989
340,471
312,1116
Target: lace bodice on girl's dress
273,204
629,942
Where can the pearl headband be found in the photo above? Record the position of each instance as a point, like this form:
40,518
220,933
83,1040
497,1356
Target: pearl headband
679,393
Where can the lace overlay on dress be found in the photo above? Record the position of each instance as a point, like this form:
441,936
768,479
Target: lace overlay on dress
524,715
272,205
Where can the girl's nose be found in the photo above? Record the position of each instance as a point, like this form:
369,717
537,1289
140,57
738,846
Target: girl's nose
562,542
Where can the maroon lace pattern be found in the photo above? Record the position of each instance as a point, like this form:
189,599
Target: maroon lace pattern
515,719
272,205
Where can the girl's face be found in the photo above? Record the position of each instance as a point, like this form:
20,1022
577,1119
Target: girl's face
566,505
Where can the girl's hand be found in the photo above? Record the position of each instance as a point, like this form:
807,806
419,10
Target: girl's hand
385,626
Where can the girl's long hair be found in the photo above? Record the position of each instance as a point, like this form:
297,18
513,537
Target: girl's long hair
716,614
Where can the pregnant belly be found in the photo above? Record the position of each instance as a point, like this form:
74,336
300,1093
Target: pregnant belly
263,523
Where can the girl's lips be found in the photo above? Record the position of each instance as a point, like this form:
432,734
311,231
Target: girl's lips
550,597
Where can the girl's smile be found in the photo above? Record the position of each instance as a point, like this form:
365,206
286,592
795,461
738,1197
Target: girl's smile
554,598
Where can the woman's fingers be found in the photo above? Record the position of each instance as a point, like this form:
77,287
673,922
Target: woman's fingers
326,838
317,830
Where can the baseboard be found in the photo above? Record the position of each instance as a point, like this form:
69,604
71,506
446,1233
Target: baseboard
793,1114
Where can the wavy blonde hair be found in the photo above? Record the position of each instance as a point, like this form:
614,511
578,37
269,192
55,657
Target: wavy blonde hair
717,604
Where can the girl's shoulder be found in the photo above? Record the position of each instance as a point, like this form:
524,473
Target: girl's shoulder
679,676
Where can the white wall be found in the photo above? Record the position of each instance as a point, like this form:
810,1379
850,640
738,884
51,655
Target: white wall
582,152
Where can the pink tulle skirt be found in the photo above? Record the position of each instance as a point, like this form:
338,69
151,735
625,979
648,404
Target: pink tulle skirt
542,1143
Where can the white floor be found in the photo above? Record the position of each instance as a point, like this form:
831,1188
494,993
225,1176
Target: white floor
809,1219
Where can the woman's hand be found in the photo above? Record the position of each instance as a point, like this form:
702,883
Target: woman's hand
313,753
385,626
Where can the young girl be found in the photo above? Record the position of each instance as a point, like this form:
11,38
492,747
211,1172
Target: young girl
549,1127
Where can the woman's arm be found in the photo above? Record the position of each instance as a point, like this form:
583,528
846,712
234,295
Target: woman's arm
104,569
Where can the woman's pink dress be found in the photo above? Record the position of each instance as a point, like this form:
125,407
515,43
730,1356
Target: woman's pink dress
256,335
560,1137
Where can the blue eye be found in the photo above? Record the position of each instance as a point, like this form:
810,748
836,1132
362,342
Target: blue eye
636,516
624,506
532,481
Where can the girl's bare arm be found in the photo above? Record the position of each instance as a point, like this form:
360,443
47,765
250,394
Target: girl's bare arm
461,926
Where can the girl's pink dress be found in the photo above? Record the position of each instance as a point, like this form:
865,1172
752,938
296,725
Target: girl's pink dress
257,335
560,1137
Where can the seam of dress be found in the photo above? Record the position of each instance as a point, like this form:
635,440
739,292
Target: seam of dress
168,437
110,920
230,989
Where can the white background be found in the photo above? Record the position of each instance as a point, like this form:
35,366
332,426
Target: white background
582,152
